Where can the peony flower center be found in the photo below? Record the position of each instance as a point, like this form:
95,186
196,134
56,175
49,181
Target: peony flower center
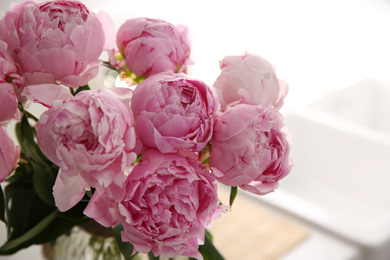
187,96
73,131
160,211
62,13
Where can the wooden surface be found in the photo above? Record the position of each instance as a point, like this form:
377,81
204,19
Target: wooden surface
252,232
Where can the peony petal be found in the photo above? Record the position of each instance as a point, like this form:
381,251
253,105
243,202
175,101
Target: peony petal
8,103
108,28
260,188
59,62
122,94
103,210
251,79
47,94
68,189
9,155
75,81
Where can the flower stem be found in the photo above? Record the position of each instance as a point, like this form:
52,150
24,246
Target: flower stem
28,114
23,161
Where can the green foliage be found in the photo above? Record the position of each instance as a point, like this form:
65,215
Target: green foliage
31,220
2,206
152,257
13,245
24,208
125,247
85,87
208,250
27,204
109,66
233,194
44,178
43,171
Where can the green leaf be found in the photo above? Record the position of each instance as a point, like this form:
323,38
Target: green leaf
24,208
85,87
56,228
152,257
43,174
30,219
12,246
208,235
23,173
19,136
108,65
208,250
2,206
233,194
46,230
27,132
206,161
125,247
76,213
43,179
30,147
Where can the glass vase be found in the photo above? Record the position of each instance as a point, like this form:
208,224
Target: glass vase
89,242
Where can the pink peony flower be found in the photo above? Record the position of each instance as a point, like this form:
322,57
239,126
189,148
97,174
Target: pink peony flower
90,137
249,148
9,155
151,46
103,210
8,103
250,79
55,41
169,200
174,112
9,70
10,82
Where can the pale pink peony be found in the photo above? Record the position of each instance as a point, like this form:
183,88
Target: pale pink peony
9,70
251,79
90,137
47,94
8,103
10,83
55,41
9,155
103,210
249,148
151,46
174,112
169,200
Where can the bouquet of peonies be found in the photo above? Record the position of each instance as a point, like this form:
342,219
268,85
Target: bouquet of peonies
143,159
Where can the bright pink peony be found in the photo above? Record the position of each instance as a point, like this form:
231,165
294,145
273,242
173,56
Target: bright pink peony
174,112
91,137
54,42
169,200
151,46
250,79
249,148
9,155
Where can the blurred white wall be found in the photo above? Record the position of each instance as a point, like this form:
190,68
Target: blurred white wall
316,45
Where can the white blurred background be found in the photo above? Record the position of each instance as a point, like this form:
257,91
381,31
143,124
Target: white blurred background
317,46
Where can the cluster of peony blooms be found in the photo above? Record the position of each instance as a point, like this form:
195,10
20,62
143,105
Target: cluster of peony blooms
148,156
